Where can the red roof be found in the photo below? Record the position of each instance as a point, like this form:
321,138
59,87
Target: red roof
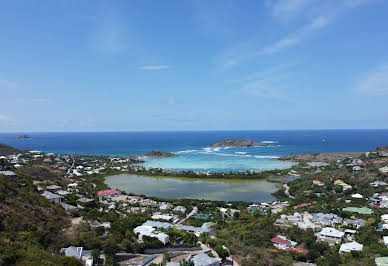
299,250
136,197
107,192
280,241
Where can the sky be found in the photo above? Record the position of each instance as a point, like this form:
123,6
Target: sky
145,65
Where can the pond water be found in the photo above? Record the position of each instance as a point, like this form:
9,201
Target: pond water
192,188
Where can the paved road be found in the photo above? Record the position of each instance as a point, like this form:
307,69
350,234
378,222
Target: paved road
194,211
287,192
71,167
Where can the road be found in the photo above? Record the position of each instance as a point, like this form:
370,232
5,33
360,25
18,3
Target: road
194,211
287,192
71,167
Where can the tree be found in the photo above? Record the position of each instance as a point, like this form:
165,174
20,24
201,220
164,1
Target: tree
186,263
223,253
95,254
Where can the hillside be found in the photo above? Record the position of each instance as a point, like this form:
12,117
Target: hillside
8,150
30,226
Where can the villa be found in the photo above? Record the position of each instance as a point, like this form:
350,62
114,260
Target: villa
330,234
108,193
348,247
281,242
325,218
52,197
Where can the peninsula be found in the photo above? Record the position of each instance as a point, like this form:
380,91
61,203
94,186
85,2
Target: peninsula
239,143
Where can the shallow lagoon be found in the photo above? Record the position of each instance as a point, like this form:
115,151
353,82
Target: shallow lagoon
210,189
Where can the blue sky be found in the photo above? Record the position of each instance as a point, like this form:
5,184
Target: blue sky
193,65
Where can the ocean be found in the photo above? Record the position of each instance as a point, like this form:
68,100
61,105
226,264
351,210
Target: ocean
193,146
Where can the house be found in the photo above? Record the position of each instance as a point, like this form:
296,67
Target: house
345,186
378,184
108,193
384,170
69,207
356,168
330,234
54,188
204,260
385,238
384,217
358,210
356,223
296,217
297,250
166,226
52,197
146,230
79,253
192,229
348,247
281,242
325,218
162,217
318,183
181,209
338,181
8,173
357,196
71,251
63,192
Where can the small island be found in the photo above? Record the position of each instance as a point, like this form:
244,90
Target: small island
21,137
159,154
240,143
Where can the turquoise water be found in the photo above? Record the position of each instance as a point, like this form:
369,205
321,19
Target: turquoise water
217,160
192,146
210,189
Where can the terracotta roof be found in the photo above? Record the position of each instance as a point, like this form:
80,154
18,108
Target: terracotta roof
280,241
107,192
299,250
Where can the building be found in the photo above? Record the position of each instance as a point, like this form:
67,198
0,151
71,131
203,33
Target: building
325,218
192,229
378,184
52,197
358,210
146,230
204,260
108,193
330,234
384,170
296,217
162,217
348,247
281,242
54,188
355,223
357,196
79,253
166,226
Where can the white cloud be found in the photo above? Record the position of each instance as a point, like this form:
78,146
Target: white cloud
110,35
33,100
316,24
268,83
8,84
3,117
172,101
154,67
375,83
286,9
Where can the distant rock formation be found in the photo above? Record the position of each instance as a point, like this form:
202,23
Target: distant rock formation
160,154
22,137
239,143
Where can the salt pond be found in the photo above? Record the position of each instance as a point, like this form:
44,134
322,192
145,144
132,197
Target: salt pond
210,189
